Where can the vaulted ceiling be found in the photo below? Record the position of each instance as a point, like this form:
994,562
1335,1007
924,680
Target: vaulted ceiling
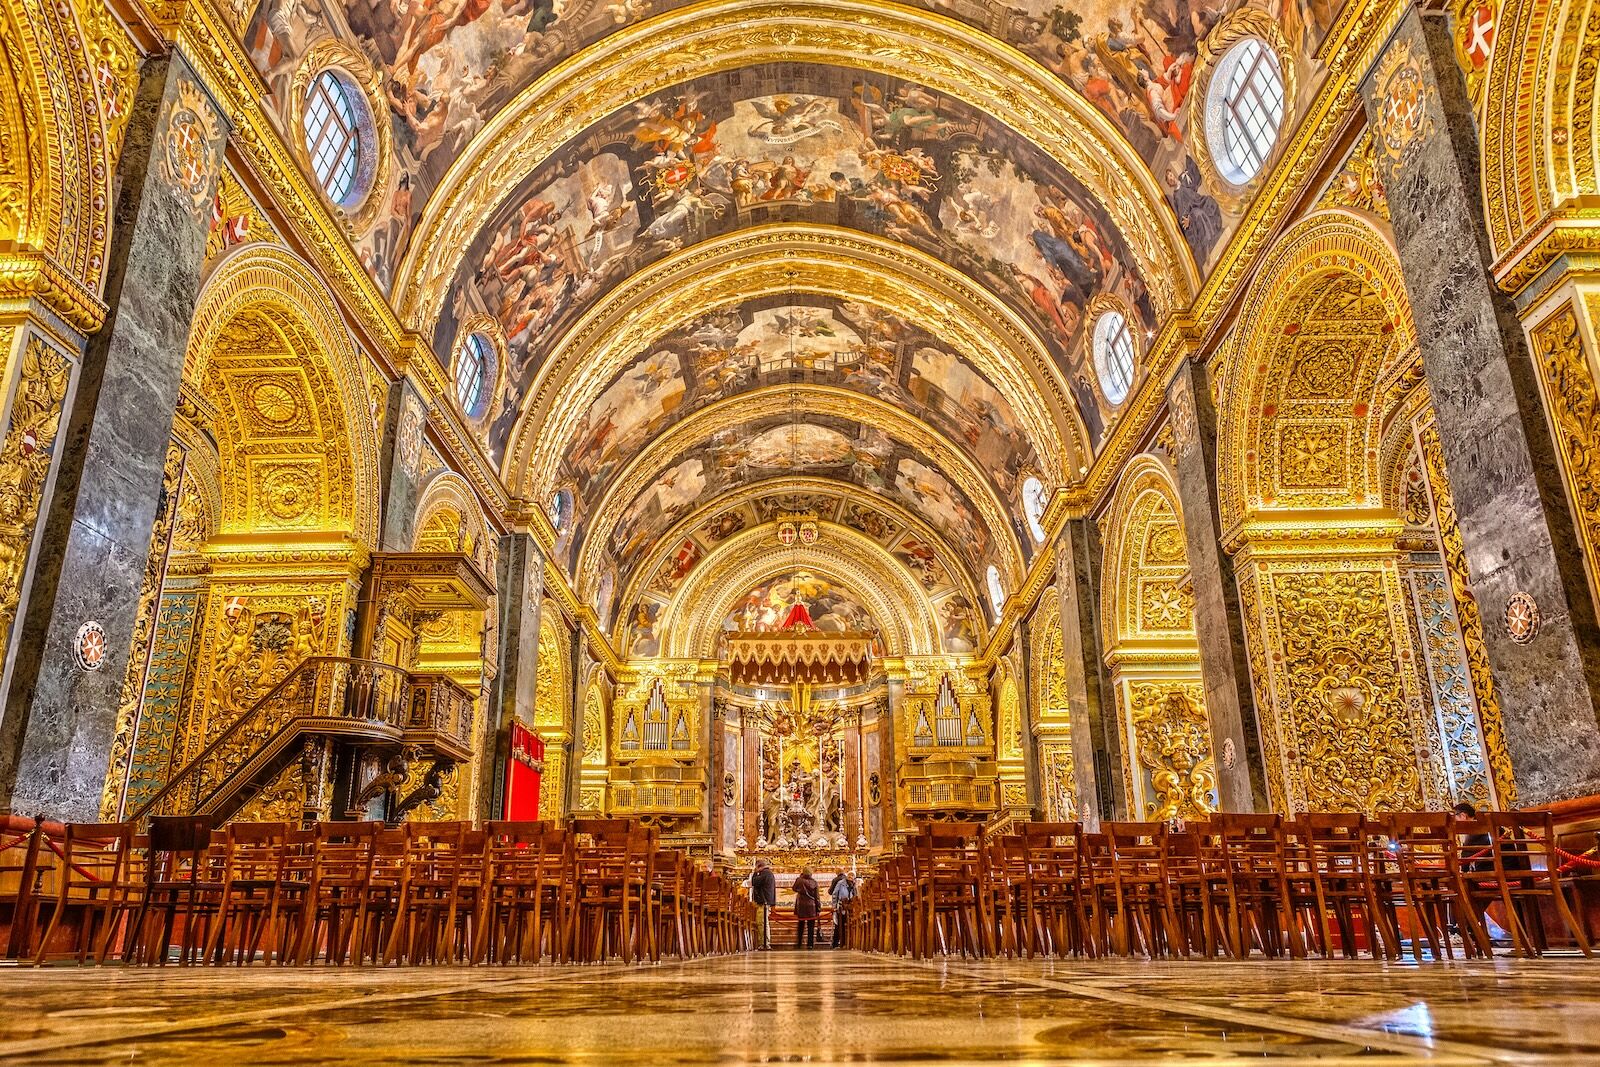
843,253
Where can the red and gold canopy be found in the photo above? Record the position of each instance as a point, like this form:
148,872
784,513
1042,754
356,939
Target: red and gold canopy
799,654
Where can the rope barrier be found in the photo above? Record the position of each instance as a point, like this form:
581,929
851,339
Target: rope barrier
90,875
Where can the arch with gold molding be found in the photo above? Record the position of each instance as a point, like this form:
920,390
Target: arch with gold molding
270,349
692,620
678,47
1316,559
1147,615
781,259
67,81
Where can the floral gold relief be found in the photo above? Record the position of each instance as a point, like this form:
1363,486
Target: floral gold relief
25,457
1566,372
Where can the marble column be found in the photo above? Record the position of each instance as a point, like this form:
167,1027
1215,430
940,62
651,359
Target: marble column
519,582
1224,660
1515,520
84,590
398,474
1096,739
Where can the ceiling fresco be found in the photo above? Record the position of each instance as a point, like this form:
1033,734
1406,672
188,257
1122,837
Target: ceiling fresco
832,607
450,65
775,448
818,341
750,145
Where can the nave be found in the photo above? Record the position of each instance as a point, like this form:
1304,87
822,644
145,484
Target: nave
817,1008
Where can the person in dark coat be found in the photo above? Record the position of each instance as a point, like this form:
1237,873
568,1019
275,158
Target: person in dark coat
807,906
843,893
764,895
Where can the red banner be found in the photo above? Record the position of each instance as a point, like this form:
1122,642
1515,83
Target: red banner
524,768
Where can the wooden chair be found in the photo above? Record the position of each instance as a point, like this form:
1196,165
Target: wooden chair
181,880
432,912
612,899
527,890
261,903
342,855
1197,919
94,886
1428,861
1051,892
945,858
1345,890
1524,872
1253,875
1144,912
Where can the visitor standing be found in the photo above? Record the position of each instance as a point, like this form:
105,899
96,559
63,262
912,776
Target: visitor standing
764,895
807,906
843,892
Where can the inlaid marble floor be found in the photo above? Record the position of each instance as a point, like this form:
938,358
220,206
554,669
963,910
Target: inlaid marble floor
815,1008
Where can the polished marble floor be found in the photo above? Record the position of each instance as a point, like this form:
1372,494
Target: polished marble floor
813,1008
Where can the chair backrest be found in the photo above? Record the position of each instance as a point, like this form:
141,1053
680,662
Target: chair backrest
1523,841
255,850
178,846
96,853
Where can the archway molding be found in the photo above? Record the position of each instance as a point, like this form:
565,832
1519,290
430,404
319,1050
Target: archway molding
678,47
692,620
639,473
1147,614
781,259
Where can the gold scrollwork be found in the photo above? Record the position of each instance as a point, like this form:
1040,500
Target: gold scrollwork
25,457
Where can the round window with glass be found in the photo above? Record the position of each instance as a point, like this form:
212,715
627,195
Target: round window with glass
1244,109
339,137
1113,355
472,374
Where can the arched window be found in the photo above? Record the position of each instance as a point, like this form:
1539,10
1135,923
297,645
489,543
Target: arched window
1034,501
335,116
1113,355
559,509
1244,109
997,590
472,373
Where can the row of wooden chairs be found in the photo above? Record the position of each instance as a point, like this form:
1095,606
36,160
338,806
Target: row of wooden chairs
1329,884
360,892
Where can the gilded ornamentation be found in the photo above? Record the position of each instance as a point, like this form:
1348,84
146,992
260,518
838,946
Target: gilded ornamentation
25,457
1241,23
289,492
1470,619
1462,757
1571,398
1347,720
1357,185
275,403
1402,93
189,148
1474,35
1174,748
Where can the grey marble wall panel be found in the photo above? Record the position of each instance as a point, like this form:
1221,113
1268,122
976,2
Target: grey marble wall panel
1224,659
60,718
1515,525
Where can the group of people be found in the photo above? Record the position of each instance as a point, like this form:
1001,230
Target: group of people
807,905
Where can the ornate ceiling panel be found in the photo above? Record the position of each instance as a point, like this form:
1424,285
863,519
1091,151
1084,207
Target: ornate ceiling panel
778,433
814,340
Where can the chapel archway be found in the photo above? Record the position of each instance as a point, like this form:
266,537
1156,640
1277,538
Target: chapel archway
1147,613
1300,483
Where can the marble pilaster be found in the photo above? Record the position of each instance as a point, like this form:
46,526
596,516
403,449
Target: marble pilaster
398,473
1516,525
61,718
1096,740
519,582
1224,662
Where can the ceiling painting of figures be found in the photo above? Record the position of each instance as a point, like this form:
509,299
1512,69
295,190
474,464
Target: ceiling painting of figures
821,342
448,67
881,156
830,447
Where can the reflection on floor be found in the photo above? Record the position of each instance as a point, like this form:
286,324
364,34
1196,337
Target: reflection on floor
818,1008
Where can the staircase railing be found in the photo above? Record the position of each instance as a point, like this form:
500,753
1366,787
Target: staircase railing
334,694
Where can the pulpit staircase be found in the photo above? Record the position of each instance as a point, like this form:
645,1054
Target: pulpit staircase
324,699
